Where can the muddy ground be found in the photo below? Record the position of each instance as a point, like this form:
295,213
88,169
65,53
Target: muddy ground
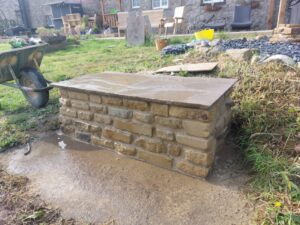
99,187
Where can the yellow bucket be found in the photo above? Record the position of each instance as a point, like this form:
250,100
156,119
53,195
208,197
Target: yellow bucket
205,35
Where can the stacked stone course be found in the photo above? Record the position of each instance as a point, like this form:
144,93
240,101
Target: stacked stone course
170,136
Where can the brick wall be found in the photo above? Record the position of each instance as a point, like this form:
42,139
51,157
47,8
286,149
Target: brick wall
173,137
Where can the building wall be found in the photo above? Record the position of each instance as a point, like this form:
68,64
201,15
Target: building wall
38,10
196,15
9,9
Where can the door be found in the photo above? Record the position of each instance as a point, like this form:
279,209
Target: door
295,14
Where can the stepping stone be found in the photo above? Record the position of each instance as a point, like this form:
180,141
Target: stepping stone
199,67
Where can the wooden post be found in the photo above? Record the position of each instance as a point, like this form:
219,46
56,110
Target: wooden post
102,11
271,14
282,11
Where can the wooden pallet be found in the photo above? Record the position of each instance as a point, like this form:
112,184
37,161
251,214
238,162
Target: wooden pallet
286,33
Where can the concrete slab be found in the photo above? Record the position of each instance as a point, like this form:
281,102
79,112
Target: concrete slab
198,67
199,92
95,185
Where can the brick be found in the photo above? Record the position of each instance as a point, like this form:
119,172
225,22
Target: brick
68,112
133,127
174,149
197,128
85,137
95,129
85,115
78,96
155,159
150,144
159,109
64,93
199,158
103,142
95,99
117,135
169,122
103,119
193,170
125,149
65,120
164,133
138,105
68,129
190,113
194,142
65,102
98,108
112,101
81,126
143,117
80,105
121,113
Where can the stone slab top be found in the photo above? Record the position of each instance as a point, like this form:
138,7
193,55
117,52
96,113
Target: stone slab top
200,92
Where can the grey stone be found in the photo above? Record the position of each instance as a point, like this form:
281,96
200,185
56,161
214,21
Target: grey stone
135,34
244,54
281,59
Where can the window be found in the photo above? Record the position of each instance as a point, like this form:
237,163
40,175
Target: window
156,4
136,4
212,1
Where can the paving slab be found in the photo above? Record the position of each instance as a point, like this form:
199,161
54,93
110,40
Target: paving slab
200,92
192,68
95,185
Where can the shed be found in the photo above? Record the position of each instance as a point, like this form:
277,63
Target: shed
63,8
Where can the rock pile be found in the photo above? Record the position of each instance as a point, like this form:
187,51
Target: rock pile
264,46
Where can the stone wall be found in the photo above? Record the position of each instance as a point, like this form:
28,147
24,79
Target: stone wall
9,9
178,138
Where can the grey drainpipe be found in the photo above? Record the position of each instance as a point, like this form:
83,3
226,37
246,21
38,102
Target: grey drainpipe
24,13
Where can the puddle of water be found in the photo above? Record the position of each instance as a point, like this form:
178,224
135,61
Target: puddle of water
96,185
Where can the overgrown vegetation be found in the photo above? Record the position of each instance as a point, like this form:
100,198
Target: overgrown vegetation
266,115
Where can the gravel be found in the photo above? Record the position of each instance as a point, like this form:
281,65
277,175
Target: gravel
266,49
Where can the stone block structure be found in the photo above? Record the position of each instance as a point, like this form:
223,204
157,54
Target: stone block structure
171,122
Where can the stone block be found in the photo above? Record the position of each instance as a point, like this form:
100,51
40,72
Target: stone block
135,34
164,133
103,119
68,129
112,101
65,102
155,159
244,54
95,99
84,137
138,105
117,135
102,142
174,149
85,115
63,93
120,112
95,129
143,117
197,128
65,120
159,109
169,122
150,144
96,108
80,105
190,113
81,126
198,143
199,158
133,127
125,149
78,96
68,112
193,170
